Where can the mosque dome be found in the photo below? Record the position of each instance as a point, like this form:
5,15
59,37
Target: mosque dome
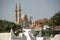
24,17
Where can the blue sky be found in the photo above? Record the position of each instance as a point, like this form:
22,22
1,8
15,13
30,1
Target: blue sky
36,8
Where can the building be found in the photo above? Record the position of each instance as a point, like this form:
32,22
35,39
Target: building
26,22
23,20
38,24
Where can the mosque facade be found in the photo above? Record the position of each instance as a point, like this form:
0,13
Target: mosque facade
23,20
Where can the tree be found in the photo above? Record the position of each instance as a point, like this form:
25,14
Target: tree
54,20
5,26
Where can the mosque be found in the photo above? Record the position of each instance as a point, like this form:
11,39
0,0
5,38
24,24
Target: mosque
23,20
26,22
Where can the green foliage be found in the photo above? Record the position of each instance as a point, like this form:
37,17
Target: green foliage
5,26
47,33
54,20
17,33
36,33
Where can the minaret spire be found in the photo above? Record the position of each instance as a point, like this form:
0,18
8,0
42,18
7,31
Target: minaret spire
16,7
18,13
19,5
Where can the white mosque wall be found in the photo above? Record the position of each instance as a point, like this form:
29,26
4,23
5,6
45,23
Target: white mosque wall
56,37
27,35
39,38
5,36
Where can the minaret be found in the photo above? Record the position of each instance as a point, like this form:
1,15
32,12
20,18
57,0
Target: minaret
18,13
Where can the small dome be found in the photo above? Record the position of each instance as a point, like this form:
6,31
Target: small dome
24,16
